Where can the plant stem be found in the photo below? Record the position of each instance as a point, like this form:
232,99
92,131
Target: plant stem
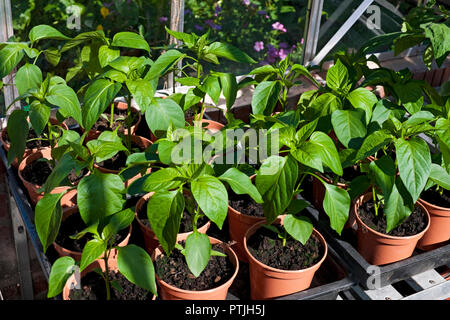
374,195
108,286
129,124
194,222
111,121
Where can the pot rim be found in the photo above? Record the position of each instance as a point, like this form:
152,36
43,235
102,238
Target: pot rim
419,235
435,207
230,254
256,226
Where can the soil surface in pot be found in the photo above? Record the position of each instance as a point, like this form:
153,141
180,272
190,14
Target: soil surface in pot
38,171
267,248
186,220
93,287
33,144
433,197
414,224
246,205
119,116
174,271
72,225
118,162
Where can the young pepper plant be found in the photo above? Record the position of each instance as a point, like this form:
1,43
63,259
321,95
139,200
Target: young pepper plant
165,207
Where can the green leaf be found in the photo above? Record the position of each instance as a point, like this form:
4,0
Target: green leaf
358,187
188,39
362,98
265,97
229,52
418,118
53,56
275,181
301,70
162,180
349,126
337,76
17,138
28,77
373,143
414,163
164,212
62,169
327,151
142,91
241,183
92,251
267,69
395,209
10,56
39,116
131,256
336,204
48,215
299,228
164,63
90,36
198,251
116,222
410,95
162,113
66,99
323,105
98,97
212,198
212,87
61,270
45,32
407,41
130,40
384,172
440,176
229,88
439,35
106,55
106,189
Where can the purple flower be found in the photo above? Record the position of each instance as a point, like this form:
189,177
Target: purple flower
272,53
302,41
283,45
163,19
283,53
187,11
258,46
246,2
108,5
262,12
279,26
198,27
217,9
211,24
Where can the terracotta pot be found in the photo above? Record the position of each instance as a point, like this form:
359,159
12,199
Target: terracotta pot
151,241
27,152
76,255
93,134
439,232
67,200
378,248
169,292
238,224
140,141
267,282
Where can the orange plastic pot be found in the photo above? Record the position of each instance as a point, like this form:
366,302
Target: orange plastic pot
378,248
439,232
76,255
238,224
150,239
141,142
67,200
27,152
169,292
93,134
268,283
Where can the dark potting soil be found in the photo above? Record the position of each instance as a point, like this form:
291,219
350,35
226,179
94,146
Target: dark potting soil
103,124
174,271
267,248
433,197
33,144
118,162
349,174
186,220
307,187
246,205
414,224
72,225
93,287
37,172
